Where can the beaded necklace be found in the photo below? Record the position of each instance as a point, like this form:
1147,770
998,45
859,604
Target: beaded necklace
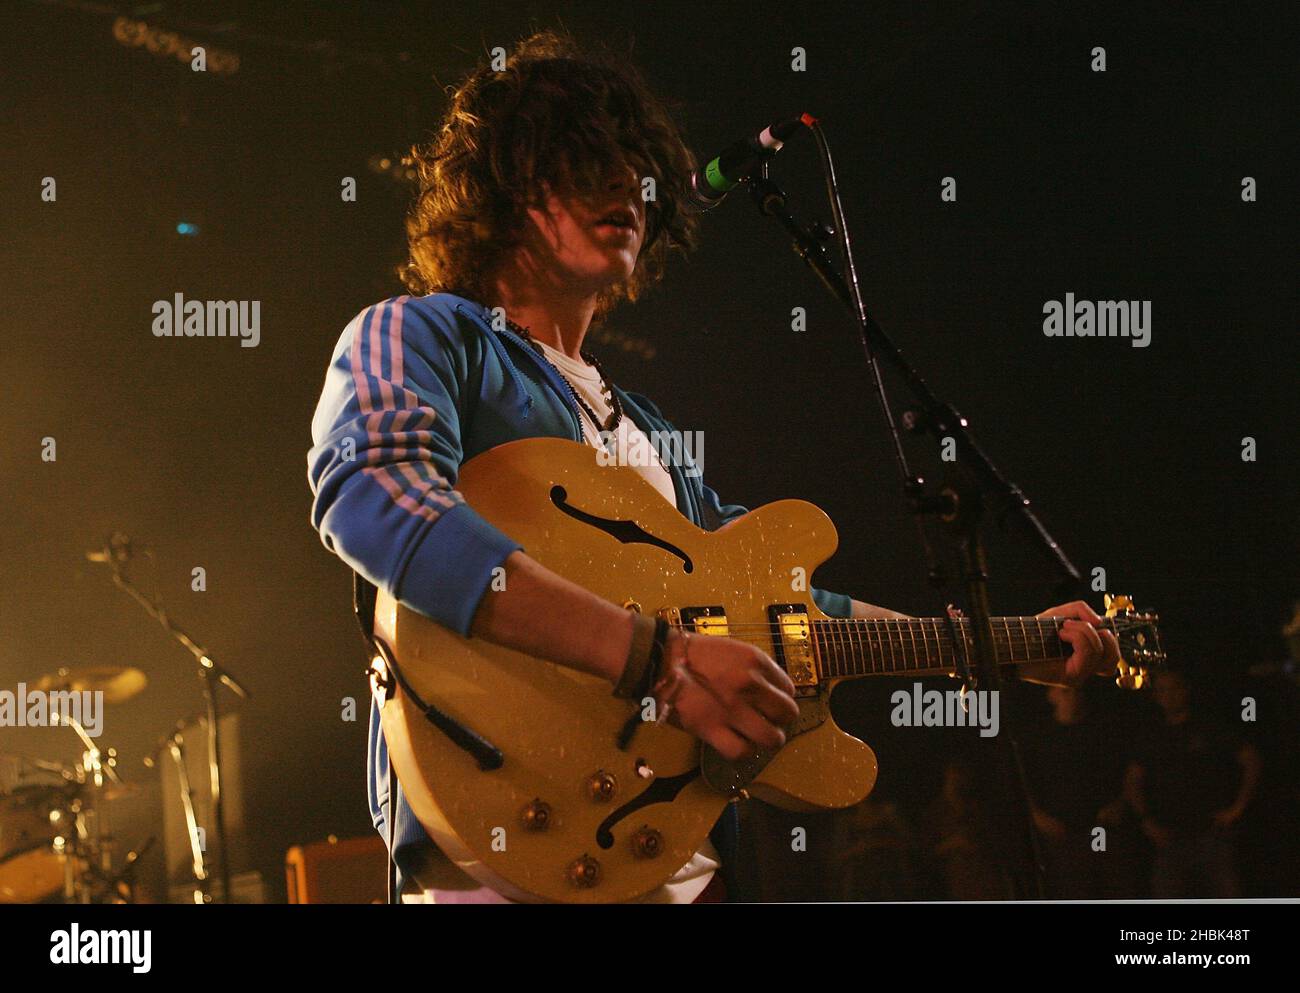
610,396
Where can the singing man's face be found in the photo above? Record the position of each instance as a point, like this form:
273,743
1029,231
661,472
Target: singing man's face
588,242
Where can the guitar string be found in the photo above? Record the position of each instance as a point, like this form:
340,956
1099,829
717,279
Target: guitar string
849,666
1041,628
1045,640
836,634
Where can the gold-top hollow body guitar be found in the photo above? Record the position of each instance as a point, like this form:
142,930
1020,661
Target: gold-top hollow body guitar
540,784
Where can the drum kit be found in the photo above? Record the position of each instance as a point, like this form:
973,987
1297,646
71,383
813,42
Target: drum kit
54,842
55,845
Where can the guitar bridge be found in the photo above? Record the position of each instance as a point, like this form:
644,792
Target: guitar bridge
698,620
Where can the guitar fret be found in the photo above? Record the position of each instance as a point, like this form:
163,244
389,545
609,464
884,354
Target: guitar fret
1053,646
832,634
1050,633
851,647
848,647
828,633
845,652
828,650
819,660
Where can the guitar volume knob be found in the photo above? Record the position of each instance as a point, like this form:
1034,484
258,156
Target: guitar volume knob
536,816
584,872
647,843
602,786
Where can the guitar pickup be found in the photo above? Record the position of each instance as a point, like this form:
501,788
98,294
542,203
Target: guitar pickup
792,643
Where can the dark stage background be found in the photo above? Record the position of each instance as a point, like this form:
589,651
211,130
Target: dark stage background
1117,185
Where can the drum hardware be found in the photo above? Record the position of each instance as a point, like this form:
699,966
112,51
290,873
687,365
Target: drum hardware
117,553
174,746
53,845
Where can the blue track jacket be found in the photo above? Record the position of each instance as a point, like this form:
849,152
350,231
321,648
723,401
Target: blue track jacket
416,387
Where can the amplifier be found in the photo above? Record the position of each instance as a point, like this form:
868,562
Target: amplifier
338,870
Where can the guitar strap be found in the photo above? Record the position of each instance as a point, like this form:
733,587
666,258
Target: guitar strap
709,518
364,595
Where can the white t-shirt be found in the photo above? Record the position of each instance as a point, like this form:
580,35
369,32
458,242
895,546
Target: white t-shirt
634,448
691,879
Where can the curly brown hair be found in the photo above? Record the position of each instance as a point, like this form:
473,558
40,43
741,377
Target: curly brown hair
558,114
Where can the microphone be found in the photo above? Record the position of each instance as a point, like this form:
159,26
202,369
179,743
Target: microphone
707,185
116,549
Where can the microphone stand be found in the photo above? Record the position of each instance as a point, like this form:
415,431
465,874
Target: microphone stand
212,675
959,505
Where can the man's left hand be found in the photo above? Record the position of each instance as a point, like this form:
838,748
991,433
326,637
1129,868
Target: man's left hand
1095,652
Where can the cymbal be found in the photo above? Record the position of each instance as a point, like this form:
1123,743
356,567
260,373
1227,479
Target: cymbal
117,683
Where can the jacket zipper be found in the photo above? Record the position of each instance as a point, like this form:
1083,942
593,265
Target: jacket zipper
552,377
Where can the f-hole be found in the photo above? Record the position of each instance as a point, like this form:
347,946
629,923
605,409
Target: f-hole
625,532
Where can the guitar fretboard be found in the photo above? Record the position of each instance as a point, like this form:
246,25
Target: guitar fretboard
927,646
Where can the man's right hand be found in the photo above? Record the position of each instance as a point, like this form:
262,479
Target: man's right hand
732,696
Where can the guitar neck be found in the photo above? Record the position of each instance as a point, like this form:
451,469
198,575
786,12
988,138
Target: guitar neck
926,646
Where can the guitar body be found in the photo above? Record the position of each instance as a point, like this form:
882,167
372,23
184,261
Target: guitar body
537,828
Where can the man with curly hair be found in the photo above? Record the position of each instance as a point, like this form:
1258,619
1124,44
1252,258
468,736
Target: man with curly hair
530,224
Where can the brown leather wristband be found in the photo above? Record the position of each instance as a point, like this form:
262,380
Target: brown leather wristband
638,658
